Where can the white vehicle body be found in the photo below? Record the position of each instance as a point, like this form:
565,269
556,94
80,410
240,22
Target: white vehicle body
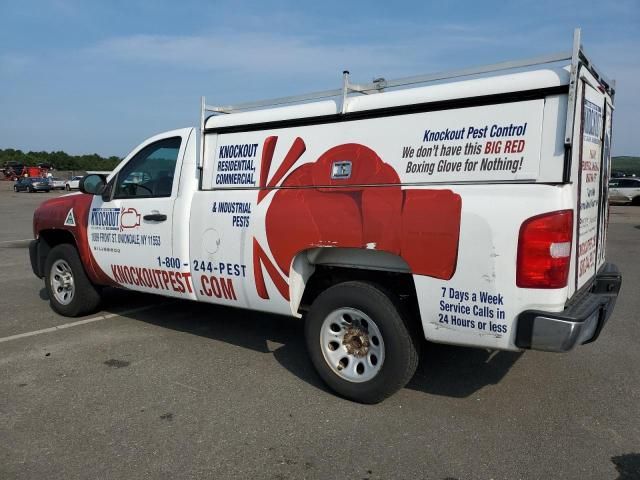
438,193
73,183
625,190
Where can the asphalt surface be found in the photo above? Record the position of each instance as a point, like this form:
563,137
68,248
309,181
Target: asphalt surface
155,388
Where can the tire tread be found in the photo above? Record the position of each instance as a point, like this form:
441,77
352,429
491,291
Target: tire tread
405,333
86,298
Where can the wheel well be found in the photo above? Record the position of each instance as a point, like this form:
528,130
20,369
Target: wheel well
48,240
325,276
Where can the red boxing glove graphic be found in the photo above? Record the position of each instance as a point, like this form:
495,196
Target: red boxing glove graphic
366,209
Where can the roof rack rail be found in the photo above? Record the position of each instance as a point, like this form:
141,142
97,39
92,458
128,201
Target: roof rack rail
380,84
576,56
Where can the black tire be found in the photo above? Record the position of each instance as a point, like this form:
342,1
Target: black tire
67,188
400,338
86,297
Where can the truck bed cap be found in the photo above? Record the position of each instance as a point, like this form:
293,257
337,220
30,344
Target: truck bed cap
538,79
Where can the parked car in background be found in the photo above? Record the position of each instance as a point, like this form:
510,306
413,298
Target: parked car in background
57,183
624,190
73,184
32,184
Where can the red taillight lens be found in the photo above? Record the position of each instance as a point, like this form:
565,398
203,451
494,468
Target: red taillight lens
544,250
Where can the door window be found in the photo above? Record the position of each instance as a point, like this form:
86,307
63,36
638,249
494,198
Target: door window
149,174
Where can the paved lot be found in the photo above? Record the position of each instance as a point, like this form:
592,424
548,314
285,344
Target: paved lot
181,390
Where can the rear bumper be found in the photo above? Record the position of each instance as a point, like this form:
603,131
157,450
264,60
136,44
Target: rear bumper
581,322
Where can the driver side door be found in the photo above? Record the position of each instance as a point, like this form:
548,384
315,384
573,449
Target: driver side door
130,226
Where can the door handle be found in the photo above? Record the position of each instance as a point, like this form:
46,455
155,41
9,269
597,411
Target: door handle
155,217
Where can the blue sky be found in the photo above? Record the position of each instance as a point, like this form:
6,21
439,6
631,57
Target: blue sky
85,76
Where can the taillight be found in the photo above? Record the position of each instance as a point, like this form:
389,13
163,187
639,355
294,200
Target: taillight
544,250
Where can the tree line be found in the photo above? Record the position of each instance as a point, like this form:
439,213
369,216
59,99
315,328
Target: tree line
59,160
625,165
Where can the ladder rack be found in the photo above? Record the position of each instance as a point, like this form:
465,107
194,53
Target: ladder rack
380,84
576,56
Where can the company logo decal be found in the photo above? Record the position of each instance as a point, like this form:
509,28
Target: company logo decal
105,218
129,218
114,218
420,225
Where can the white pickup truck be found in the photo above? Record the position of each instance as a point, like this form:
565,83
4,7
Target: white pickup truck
469,211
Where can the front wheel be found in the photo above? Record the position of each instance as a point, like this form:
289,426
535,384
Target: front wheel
360,342
70,291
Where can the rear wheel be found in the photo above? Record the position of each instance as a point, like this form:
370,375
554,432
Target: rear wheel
360,341
71,293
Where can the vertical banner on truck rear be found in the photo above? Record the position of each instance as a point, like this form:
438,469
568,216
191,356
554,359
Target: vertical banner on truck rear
589,191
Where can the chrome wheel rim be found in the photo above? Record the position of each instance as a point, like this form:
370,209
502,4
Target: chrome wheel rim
62,283
352,345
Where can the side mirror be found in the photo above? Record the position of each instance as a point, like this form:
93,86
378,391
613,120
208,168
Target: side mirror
93,184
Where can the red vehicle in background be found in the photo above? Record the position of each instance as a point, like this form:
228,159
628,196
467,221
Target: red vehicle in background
13,170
